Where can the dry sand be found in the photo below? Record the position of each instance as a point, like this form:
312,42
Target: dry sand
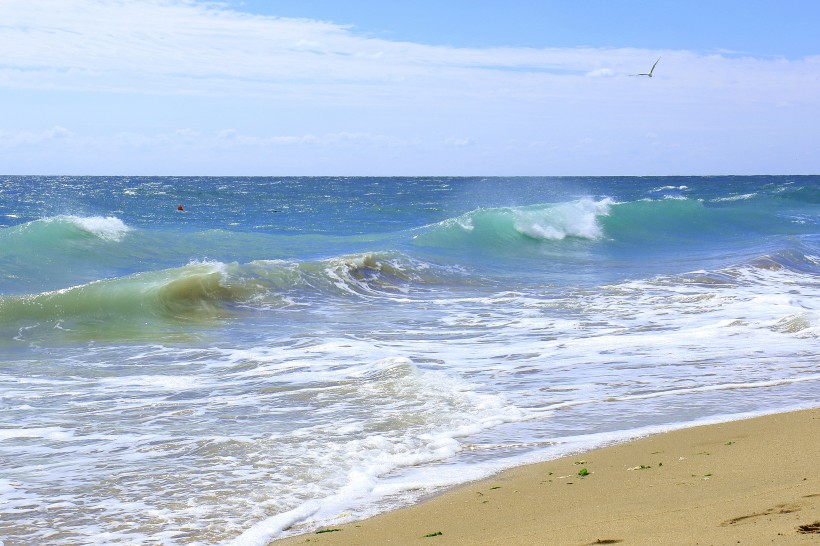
752,482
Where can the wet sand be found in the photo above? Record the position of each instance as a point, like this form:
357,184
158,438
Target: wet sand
753,482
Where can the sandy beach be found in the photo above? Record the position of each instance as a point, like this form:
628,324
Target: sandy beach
755,481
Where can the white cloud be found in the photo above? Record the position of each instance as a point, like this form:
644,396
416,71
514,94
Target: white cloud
139,72
220,140
458,142
10,139
167,46
601,73
231,137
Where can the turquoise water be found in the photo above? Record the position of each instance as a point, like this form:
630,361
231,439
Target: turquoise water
289,352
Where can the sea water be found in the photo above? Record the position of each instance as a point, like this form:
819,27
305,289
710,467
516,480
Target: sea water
285,353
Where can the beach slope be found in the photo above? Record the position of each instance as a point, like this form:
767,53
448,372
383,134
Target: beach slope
755,481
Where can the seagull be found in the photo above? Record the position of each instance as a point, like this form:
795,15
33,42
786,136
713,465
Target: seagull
650,70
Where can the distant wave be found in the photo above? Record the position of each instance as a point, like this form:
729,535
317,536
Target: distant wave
502,226
57,229
804,194
583,219
660,221
109,228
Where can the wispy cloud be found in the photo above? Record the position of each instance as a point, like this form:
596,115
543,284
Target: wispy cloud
168,46
223,140
12,139
267,83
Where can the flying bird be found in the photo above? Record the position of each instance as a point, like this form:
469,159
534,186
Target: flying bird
650,70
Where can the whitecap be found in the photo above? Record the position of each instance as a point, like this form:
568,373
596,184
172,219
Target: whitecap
109,228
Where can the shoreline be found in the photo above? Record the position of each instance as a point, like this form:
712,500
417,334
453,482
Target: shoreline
752,481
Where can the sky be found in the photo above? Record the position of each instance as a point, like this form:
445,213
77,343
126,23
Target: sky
422,88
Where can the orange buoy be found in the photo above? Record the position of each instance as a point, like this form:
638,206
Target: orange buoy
179,207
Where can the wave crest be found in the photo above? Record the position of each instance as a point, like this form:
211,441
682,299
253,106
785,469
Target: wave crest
190,292
109,228
53,231
205,291
555,223
501,227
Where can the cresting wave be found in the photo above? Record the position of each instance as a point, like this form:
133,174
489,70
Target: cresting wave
214,290
188,292
501,226
509,229
57,230
644,221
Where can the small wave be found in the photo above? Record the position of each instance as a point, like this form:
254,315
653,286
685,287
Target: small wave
668,188
742,197
804,194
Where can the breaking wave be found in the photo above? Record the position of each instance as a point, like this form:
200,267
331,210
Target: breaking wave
215,290
56,230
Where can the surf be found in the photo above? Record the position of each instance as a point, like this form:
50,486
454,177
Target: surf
211,291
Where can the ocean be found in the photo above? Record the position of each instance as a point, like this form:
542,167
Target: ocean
285,353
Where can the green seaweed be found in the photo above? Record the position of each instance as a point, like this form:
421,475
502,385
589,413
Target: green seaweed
436,534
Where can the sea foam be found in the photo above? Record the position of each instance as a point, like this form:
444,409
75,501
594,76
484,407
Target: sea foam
109,228
557,222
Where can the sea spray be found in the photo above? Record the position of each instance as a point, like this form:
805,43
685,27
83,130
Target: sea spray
557,222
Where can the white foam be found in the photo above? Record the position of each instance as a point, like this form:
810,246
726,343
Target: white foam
742,197
163,382
264,531
573,219
48,433
282,432
109,228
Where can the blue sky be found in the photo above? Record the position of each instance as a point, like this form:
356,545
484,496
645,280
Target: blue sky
360,87
761,27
